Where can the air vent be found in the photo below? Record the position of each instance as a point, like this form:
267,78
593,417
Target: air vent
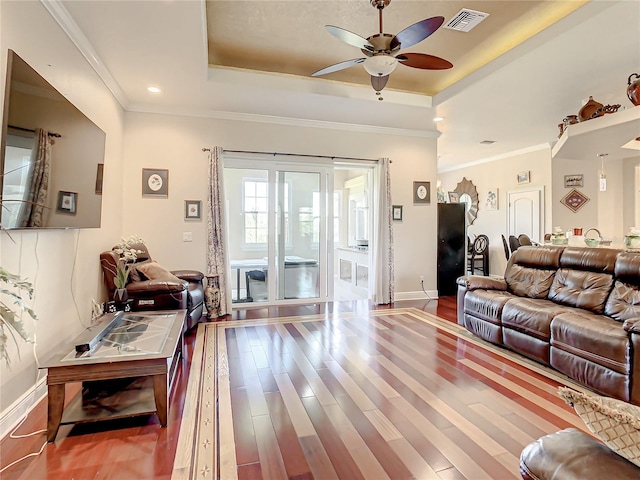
465,20
487,142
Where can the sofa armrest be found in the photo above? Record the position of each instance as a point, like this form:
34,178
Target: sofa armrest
475,282
147,287
191,276
632,325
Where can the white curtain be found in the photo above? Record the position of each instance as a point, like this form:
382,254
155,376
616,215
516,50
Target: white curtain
32,210
383,290
217,251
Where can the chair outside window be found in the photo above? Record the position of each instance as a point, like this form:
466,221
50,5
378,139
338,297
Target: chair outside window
479,256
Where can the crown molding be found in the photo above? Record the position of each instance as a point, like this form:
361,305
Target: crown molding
63,18
514,153
288,121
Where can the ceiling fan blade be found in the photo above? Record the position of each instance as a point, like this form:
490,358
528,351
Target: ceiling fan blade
417,32
422,60
378,83
338,66
349,37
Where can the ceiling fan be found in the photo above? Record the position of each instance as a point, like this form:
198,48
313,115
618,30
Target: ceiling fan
381,50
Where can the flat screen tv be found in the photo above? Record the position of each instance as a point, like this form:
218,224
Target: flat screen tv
51,156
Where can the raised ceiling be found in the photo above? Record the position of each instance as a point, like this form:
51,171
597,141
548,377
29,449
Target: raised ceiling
517,99
288,37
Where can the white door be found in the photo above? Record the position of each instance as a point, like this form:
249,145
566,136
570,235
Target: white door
526,211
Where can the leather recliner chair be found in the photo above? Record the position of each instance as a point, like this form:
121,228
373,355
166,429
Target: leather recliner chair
158,294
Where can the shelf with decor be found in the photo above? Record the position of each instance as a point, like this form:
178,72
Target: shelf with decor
615,134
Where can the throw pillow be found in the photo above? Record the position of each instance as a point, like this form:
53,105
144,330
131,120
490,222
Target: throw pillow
154,271
615,422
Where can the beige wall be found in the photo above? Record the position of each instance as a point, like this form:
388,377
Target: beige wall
176,143
62,264
612,211
501,174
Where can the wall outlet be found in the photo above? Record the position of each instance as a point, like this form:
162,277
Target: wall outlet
187,237
421,279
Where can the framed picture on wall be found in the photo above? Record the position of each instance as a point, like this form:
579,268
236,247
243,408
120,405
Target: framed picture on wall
192,209
571,181
524,177
421,192
396,211
155,182
67,202
492,199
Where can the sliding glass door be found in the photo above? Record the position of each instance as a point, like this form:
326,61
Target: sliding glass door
279,237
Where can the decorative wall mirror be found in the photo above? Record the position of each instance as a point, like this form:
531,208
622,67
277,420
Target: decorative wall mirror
468,194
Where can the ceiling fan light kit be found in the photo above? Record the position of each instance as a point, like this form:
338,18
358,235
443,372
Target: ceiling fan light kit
381,50
380,65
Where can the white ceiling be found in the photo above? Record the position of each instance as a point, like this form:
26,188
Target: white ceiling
517,99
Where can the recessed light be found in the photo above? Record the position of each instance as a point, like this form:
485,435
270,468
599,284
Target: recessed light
438,119
153,89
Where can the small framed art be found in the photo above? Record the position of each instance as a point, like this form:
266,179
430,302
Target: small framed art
396,211
454,197
192,209
67,202
524,177
571,181
421,192
492,199
155,182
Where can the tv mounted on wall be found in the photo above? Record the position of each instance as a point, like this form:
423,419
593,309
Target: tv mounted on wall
65,190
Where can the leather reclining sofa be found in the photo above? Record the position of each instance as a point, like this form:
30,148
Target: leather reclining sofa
574,309
184,292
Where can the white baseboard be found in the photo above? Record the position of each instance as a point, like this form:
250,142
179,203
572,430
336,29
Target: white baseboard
12,415
418,295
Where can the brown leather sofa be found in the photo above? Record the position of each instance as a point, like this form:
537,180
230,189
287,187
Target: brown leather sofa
184,292
574,309
573,455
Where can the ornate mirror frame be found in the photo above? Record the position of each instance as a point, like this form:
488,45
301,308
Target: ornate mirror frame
465,189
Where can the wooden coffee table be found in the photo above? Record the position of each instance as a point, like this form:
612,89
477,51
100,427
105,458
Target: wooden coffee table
144,348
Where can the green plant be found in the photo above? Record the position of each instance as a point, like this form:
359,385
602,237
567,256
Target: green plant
128,254
15,288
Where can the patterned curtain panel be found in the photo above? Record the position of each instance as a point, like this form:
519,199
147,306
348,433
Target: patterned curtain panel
384,283
217,251
32,211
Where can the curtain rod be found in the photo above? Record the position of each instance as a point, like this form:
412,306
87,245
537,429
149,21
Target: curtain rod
51,134
295,155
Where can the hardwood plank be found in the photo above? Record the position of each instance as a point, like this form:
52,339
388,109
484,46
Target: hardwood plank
271,462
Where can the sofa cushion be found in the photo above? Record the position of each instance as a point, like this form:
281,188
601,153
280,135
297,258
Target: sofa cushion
581,289
531,316
627,268
573,455
155,271
623,302
529,282
601,260
615,422
596,338
486,304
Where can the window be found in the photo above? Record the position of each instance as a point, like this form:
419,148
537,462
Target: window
255,207
255,204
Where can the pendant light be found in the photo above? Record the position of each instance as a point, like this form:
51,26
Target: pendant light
603,177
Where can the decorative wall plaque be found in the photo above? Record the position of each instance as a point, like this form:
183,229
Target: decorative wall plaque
574,200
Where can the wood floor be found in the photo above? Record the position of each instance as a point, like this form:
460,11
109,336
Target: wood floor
480,410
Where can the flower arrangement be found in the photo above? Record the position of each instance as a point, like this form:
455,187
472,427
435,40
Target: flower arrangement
14,287
632,239
128,254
